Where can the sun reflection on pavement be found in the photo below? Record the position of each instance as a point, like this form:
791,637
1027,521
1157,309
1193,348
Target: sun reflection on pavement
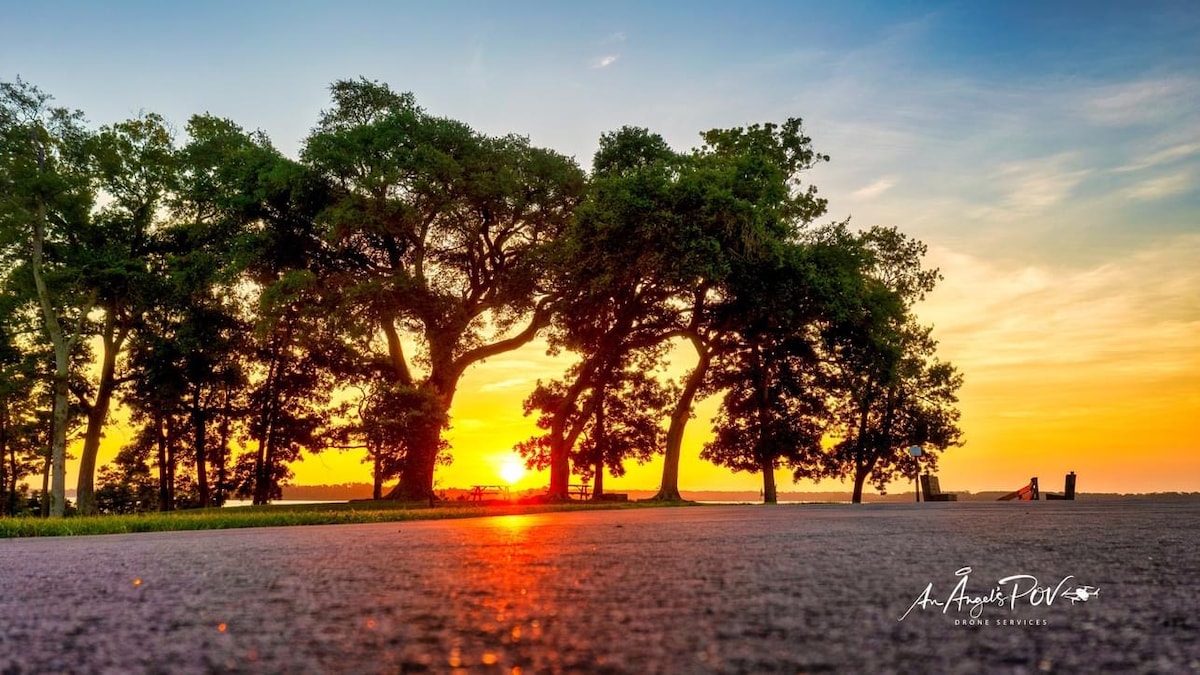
499,597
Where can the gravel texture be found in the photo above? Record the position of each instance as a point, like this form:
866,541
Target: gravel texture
814,588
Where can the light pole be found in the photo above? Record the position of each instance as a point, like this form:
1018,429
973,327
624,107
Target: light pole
916,452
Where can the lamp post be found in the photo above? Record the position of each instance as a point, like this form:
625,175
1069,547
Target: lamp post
916,452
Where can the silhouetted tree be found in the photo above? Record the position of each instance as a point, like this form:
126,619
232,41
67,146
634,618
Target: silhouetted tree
619,418
24,441
126,484
135,171
45,201
743,199
441,232
619,266
774,410
890,391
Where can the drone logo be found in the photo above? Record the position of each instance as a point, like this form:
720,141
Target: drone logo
1081,594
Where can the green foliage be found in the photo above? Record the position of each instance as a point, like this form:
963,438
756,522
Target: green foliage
437,231
889,390
617,419
231,292
126,485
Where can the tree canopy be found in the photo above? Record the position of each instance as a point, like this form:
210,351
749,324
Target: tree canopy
246,307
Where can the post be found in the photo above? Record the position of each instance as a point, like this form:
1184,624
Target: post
915,451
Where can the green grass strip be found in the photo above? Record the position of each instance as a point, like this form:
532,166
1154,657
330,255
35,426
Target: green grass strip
282,515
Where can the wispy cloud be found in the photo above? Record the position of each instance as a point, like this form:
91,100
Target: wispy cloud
1038,184
503,385
1159,157
1129,317
605,61
1162,186
1140,101
875,189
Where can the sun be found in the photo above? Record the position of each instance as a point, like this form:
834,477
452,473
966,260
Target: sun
512,471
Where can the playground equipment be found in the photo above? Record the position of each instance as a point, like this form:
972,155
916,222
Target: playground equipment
1029,493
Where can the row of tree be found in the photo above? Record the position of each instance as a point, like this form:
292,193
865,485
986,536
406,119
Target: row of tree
234,298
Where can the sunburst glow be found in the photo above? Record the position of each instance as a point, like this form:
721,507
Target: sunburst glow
512,471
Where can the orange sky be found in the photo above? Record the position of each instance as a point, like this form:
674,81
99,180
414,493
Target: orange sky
1048,157
1080,370
1065,371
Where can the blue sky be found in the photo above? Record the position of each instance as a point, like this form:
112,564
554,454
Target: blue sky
1048,152
934,102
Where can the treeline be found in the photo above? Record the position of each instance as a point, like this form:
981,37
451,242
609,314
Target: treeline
246,306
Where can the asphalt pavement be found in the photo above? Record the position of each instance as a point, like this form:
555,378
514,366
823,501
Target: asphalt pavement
1051,587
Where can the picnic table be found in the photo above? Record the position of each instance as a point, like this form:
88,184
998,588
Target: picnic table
580,489
477,492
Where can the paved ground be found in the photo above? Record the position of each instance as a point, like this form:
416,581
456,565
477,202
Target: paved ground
712,589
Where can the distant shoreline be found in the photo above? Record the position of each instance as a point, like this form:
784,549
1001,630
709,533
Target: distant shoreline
348,491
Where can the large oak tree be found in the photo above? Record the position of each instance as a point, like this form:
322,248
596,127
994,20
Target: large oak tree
441,232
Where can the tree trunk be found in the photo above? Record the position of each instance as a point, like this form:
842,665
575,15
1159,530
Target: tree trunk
62,354
768,472
44,507
669,491
262,470
861,466
13,495
416,474
222,487
58,444
199,441
598,480
164,473
562,438
12,480
860,477
5,500
420,461
377,475
171,463
113,339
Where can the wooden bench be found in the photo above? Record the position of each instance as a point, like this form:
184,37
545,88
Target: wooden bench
933,490
1069,489
612,497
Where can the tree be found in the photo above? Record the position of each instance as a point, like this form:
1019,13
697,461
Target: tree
620,419
45,201
648,259
891,392
135,169
440,233
619,264
23,441
189,356
745,198
155,402
774,410
126,485
385,421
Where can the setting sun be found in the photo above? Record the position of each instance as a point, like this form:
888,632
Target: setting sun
512,471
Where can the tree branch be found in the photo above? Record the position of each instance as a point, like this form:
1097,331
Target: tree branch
540,319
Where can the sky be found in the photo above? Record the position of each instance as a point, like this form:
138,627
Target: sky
1048,153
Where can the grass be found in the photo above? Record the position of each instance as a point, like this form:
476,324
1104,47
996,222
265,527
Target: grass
281,516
